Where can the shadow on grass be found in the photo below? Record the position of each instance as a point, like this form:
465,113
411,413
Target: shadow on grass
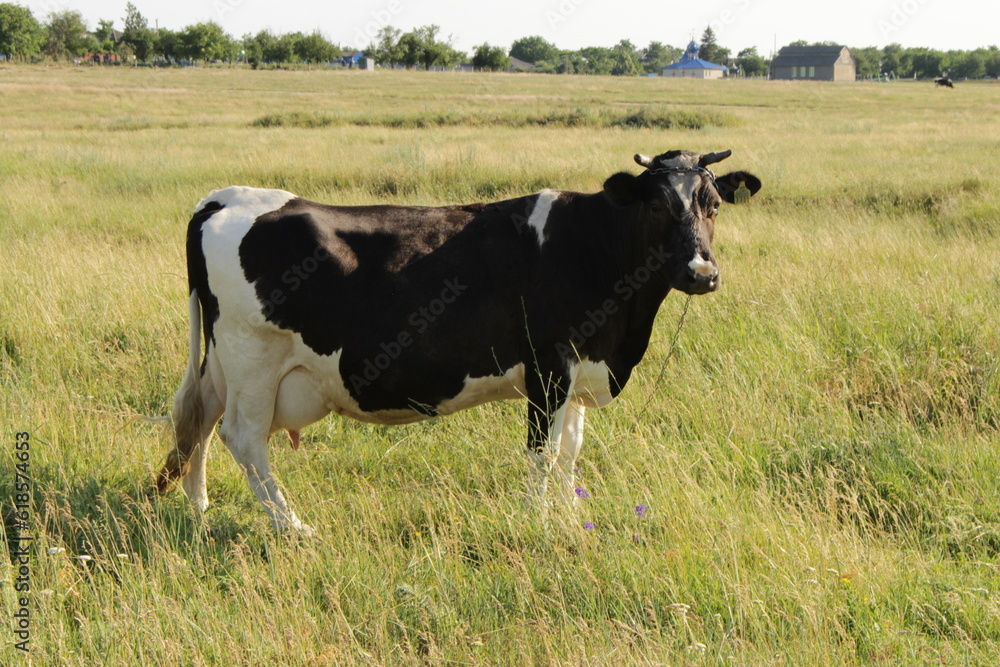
119,519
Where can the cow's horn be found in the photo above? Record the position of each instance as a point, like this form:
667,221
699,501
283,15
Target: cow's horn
644,160
712,158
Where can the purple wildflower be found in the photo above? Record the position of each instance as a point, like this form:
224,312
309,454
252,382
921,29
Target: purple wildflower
640,510
588,525
582,492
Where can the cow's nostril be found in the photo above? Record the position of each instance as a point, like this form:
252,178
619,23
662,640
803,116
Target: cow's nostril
701,268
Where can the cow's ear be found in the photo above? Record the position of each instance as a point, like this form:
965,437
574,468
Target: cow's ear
729,185
622,188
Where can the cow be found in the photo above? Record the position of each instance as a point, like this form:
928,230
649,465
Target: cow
943,80
395,314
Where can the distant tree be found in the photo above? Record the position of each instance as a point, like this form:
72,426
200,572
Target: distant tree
993,62
710,49
533,50
596,60
282,49
385,49
658,55
867,61
137,34
751,63
430,51
929,63
66,35
410,49
624,60
105,31
134,20
21,35
255,47
315,48
168,45
205,42
564,62
490,58
968,64
125,51
896,61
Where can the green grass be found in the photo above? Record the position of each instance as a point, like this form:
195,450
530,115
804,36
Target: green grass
819,459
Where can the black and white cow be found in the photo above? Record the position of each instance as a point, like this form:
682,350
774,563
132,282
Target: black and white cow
394,314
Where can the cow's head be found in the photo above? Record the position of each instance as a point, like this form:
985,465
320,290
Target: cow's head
678,199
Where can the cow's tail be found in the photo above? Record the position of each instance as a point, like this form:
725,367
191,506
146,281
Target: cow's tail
189,409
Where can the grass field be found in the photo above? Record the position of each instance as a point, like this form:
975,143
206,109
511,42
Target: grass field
819,461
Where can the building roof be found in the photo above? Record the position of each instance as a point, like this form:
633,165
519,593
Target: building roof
690,60
695,63
799,56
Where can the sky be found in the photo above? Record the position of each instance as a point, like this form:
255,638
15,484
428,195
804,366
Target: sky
573,24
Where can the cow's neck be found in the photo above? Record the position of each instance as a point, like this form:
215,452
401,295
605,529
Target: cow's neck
642,288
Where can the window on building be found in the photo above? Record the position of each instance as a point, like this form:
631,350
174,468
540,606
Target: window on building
812,72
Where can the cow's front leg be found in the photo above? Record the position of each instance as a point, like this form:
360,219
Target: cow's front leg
570,441
548,388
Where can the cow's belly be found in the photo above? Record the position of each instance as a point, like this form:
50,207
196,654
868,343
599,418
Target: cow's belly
313,387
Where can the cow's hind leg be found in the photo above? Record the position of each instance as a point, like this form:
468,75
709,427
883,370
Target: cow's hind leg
194,479
245,431
197,408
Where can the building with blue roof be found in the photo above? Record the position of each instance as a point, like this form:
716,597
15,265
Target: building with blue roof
691,66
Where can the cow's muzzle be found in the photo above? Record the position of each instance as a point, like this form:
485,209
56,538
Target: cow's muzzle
702,275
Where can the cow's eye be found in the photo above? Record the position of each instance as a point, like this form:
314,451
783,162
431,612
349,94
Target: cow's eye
656,208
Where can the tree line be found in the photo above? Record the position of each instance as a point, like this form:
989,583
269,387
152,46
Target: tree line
64,35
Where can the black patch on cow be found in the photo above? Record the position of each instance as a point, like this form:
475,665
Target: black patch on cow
198,274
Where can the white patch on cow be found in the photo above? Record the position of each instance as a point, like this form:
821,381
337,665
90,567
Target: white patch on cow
592,385
222,234
684,185
479,390
540,213
247,198
700,267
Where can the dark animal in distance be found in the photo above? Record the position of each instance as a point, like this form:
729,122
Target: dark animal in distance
394,314
943,81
